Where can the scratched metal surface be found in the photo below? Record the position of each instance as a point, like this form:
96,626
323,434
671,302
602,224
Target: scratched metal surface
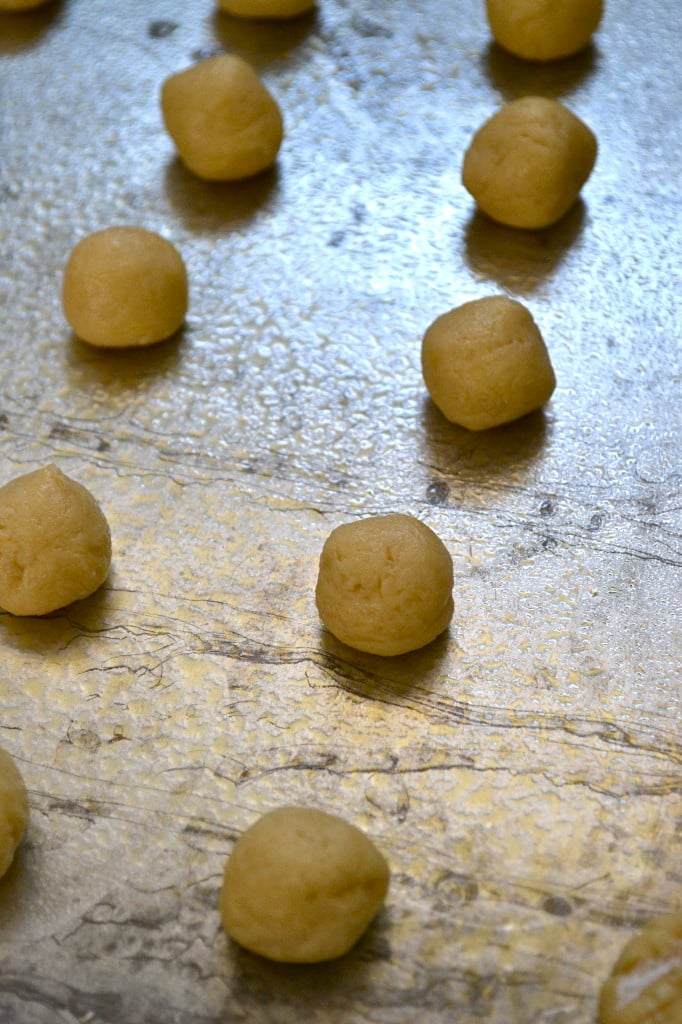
522,774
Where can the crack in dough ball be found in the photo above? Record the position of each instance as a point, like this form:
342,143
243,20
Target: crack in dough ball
222,119
266,8
13,810
543,30
485,363
124,287
645,986
55,544
526,165
302,886
385,584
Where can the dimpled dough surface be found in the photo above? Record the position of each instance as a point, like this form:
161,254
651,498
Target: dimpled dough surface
124,287
13,810
55,544
302,886
526,165
222,119
385,584
543,29
645,986
266,8
485,363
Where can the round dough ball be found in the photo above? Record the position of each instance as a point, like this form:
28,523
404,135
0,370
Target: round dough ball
485,363
527,164
222,119
385,584
543,29
645,986
21,5
302,886
56,544
13,810
266,8
124,287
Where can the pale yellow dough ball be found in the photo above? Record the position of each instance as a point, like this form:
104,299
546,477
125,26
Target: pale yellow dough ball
543,29
385,584
13,810
485,363
645,986
55,544
266,8
124,287
526,165
222,119
302,886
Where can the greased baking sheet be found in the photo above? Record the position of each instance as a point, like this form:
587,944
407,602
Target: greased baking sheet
522,773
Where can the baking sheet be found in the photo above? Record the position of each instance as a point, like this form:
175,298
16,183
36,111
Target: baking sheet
521,774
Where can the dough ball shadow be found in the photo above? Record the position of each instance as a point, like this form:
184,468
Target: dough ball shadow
507,451
520,260
262,41
260,981
13,886
54,631
388,679
514,77
213,206
121,368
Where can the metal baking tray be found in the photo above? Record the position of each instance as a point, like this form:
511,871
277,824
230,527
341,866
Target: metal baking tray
521,774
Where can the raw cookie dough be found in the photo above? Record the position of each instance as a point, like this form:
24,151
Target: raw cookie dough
21,5
13,810
302,886
645,986
385,584
222,119
124,287
543,29
266,8
55,544
485,363
527,164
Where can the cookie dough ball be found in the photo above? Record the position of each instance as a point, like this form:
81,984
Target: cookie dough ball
124,287
13,810
527,164
222,119
21,5
645,986
485,363
266,8
385,584
302,886
56,545
543,29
